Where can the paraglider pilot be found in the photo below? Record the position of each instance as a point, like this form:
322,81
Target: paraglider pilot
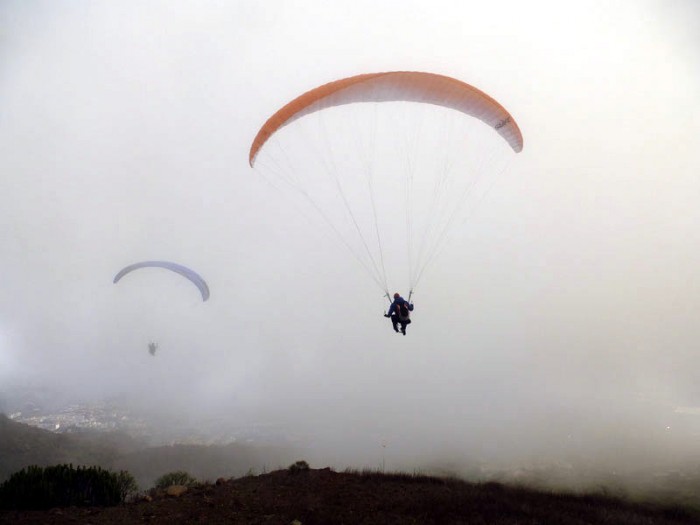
400,313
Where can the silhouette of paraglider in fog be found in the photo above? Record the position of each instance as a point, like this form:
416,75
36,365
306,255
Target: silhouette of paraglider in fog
189,274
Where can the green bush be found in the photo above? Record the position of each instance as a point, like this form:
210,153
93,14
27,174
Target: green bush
298,467
127,484
40,488
179,477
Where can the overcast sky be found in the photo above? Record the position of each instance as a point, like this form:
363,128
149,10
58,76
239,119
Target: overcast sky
568,302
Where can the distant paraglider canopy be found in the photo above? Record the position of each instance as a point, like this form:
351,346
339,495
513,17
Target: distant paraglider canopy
390,162
193,276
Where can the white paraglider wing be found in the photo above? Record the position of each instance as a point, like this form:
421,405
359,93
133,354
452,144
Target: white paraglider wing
189,274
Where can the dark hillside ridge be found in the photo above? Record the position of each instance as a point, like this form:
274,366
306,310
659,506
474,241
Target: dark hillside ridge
22,445
320,497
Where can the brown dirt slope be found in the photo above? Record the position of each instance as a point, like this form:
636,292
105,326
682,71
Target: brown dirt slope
314,497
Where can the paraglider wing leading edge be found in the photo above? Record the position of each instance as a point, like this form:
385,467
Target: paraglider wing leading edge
193,276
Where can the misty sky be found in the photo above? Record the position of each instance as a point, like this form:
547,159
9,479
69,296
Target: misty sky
566,308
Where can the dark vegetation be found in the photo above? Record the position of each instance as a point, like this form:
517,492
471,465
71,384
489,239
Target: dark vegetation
64,486
298,467
179,477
